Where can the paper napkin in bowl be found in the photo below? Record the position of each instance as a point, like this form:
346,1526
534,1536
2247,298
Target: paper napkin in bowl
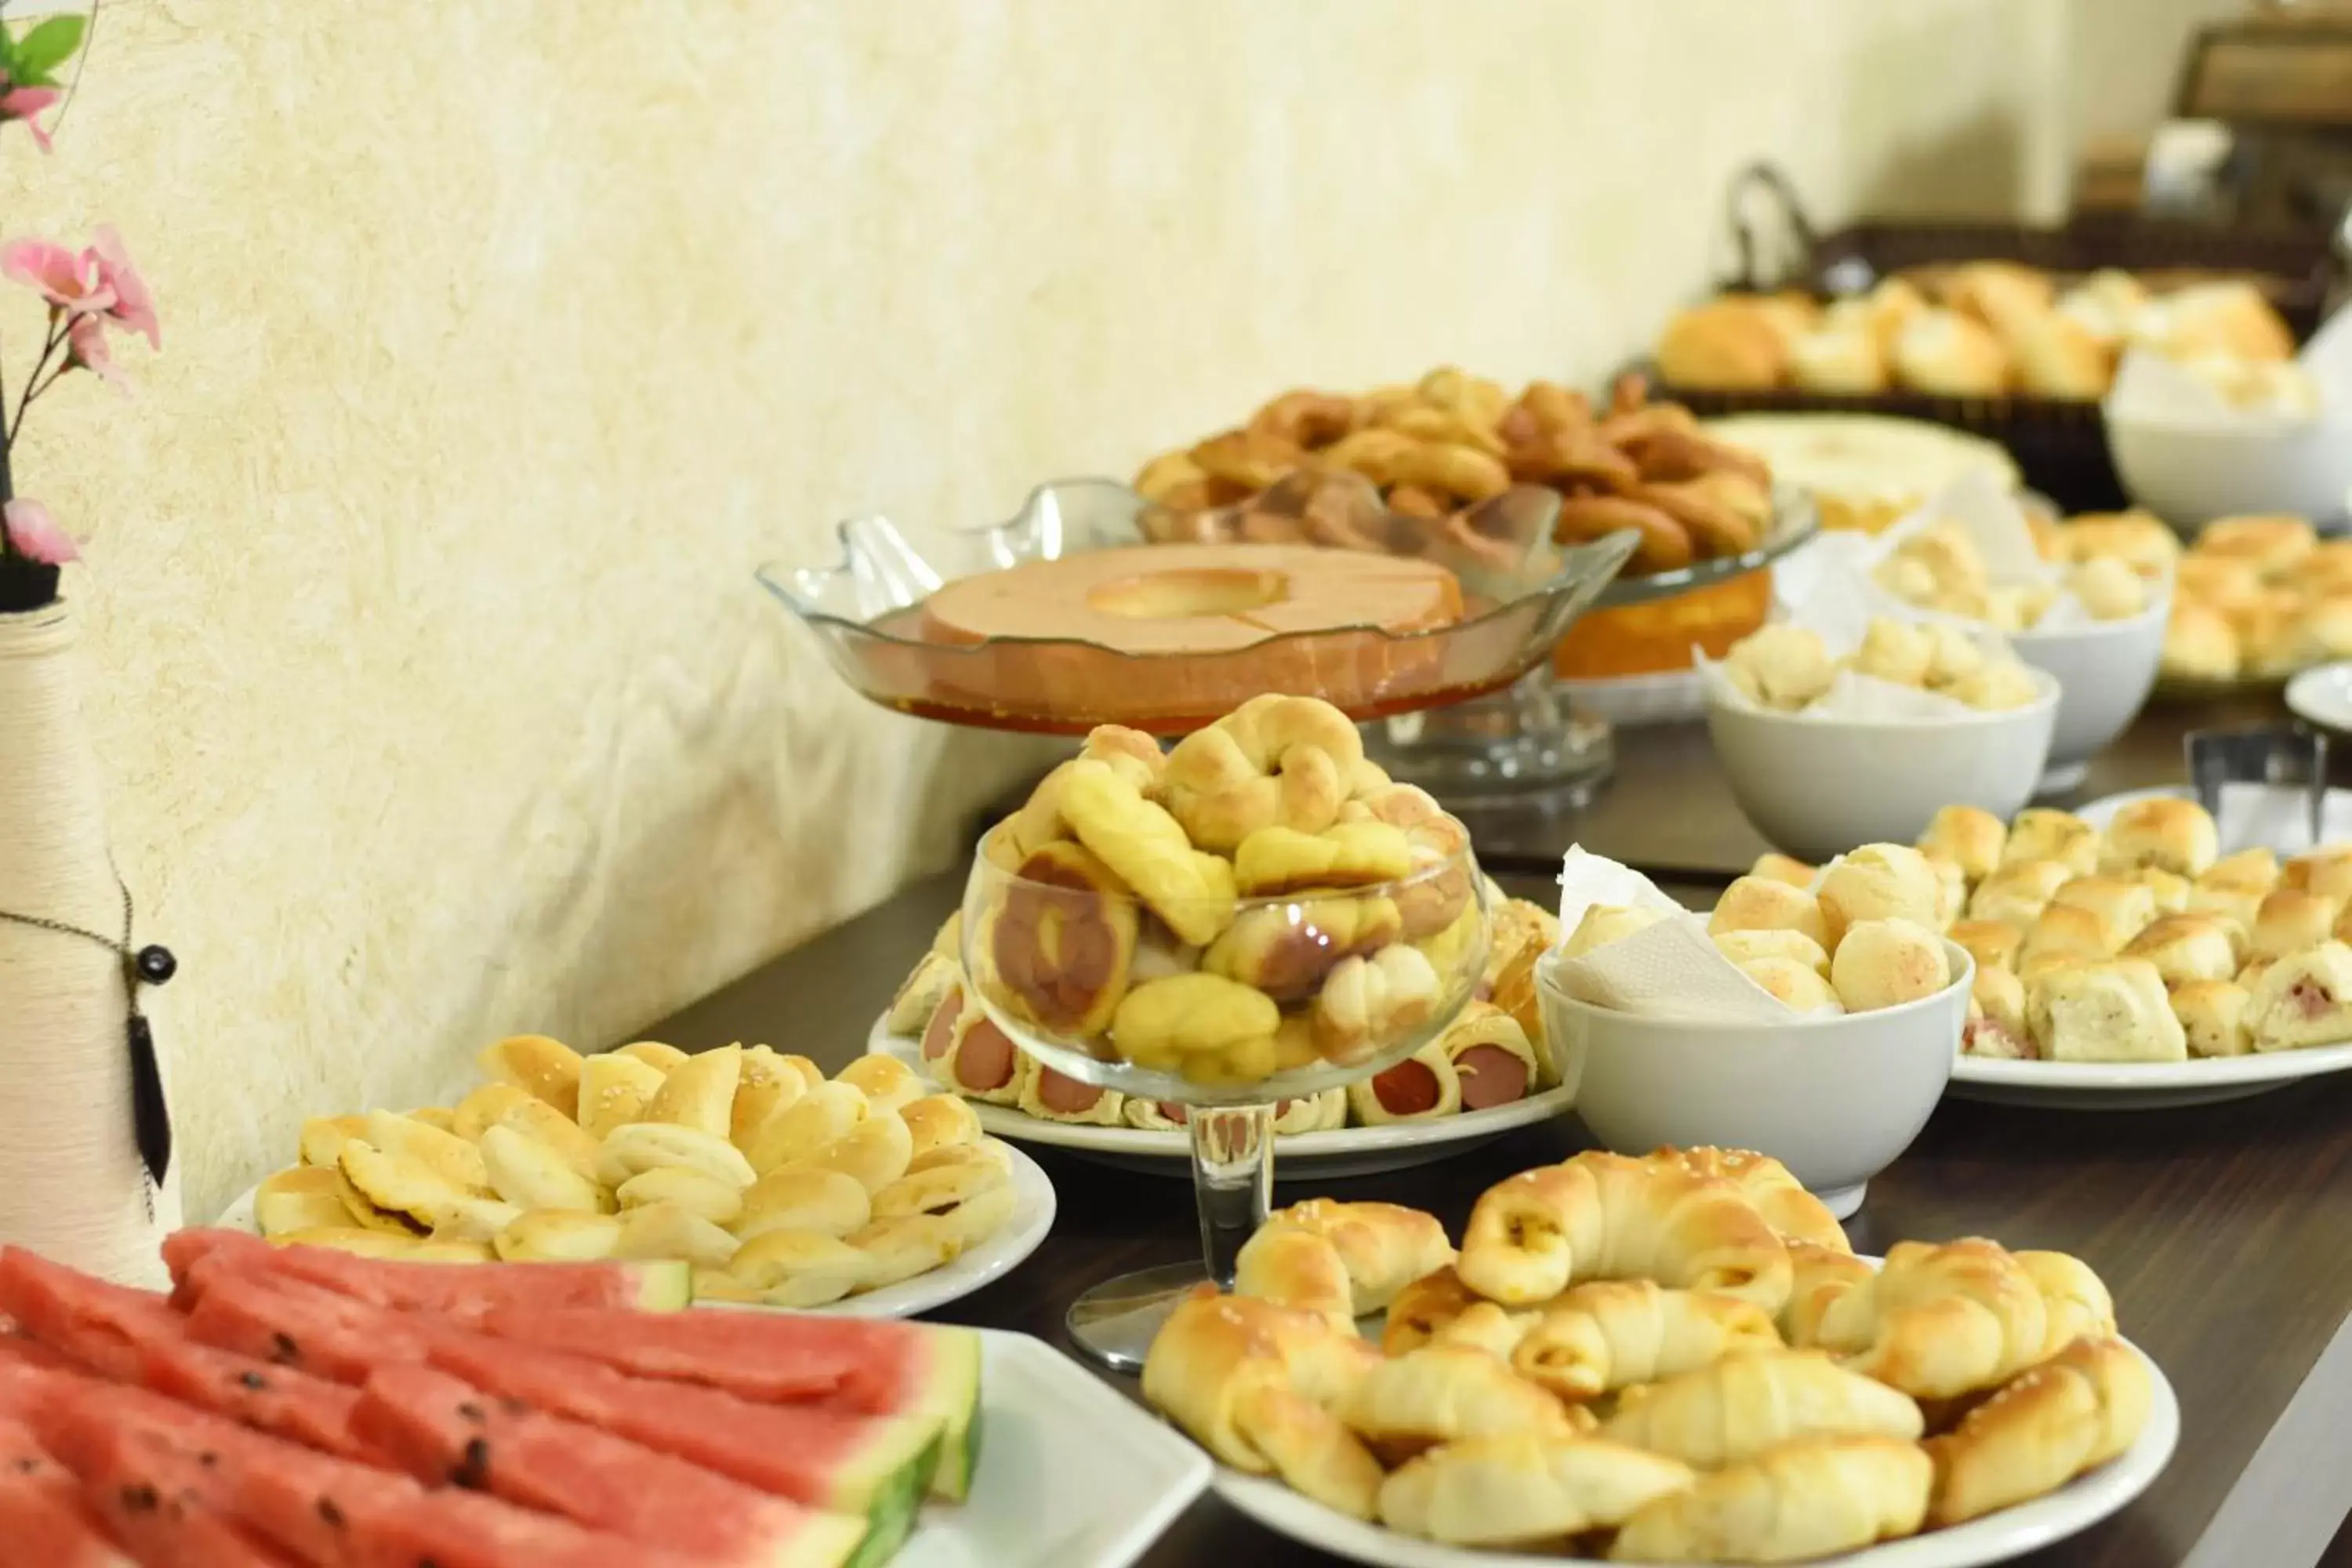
1670,970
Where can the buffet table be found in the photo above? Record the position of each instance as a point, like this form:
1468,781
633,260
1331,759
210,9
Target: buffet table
2220,1229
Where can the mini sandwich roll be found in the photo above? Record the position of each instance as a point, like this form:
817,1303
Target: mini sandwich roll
2304,1000
2019,891
2212,1015
2291,919
1424,1086
1757,903
1969,836
1492,1059
1996,1026
2042,832
2236,908
2168,834
1051,1095
2123,907
2187,950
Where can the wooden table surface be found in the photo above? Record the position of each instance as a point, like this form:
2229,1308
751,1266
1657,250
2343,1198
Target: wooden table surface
2225,1232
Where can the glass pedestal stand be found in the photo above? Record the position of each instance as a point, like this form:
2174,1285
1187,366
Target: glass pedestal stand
1113,1324
1522,746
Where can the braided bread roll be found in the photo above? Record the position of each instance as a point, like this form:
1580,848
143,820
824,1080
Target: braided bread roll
1768,1184
2044,1427
1442,1394
2075,1299
1519,1489
1812,1498
1939,1321
1253,1383
1612,1334
1603,1216
1736,1408
1340,1259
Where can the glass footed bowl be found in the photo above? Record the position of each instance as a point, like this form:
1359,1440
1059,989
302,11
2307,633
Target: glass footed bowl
1276,997
865,599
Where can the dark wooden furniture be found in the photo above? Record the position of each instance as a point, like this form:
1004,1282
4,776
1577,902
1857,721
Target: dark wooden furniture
2225,1231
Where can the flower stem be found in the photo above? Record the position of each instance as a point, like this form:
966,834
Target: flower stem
34,384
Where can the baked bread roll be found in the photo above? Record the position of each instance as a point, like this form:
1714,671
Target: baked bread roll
2186,949
1612,1334
1795,985
2235,908
1051,1095
2064,934
1878,882
1951,892
1493,1063
1995,687
1522,1489
1253,1383
2075,1299
1996,1026
1839,359
1938,1320
1602,1216
2110,1011
920,994
1993,944
1424,1086
1442,1394
2212,1015
1725,345
2327,872
1817,1498
2123,905
2303,1000
1779,666
1896,651
1745,947
1423,1310
1946,354
2169,891
1769,1185
1786,869
1969,836
2289,919
1757,903
1886,963
1819,1278
2057,356
1740,1405
2019,891
2254,870
1381,1248
2048,1426
1605,923
2043,833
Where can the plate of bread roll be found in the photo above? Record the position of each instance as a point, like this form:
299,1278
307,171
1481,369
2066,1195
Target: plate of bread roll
1490,1072
865,1194
2123,962
1705,1372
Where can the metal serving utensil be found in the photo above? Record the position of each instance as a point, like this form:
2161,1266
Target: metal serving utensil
2273,754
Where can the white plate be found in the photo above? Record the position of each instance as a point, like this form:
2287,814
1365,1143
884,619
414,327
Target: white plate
1996,1537
1072,1474
1033,1216
1663,697
2323,696
2140,1086
1351,1152
2276,816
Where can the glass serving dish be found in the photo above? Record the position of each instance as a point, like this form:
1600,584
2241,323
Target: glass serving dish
1224,1005
1520,593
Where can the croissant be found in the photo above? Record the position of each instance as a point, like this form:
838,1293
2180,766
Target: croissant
1937,1320
2043,1429
1299,1270
1423,1308
1603,1216
1736,1408
1253,1383
1612,1334
1817,1277
1487,1327
1768,1184
1812,1498
1519,1489
1377,1248
1442,1394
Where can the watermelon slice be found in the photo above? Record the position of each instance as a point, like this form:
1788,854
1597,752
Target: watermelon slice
874,1466
157,1503
861,1366
444,1431
288,1324
460,1293
42,1515
87,1320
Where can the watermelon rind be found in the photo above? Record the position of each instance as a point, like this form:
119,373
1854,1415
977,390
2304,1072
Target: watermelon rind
951,1395
663,1285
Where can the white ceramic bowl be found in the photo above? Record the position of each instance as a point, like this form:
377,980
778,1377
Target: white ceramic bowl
2191,474
1818,787
1834,1100
2104,672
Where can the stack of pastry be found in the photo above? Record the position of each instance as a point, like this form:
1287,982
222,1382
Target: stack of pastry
1940,568
777,1185
1672,1359
1788,668
1984,329
1485,1058
1260,898
1438,451
2143,942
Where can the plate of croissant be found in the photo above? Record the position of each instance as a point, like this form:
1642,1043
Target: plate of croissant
1672,1359
1491,1071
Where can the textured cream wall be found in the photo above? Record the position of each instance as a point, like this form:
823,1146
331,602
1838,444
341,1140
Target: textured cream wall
504,337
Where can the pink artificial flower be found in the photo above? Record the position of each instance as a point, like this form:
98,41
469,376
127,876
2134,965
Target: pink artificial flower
36,534
134,307
68,281
25,103
86,347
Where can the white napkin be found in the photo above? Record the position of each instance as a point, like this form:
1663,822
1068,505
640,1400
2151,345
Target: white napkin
2151,388
1835,598
1670,970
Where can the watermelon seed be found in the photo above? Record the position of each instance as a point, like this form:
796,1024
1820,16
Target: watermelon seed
331,1514
253,1379
26,1467
283,1347
208,1459
472,1412
473,1472
140,1499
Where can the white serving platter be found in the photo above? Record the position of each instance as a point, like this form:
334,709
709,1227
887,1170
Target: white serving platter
1033,1217
2140,1086
2323,696
1349,1152
2252,815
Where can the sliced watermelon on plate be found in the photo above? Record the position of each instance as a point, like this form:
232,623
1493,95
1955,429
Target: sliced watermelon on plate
446,1432
43,1517
452,1291
287,1323
161,1504
87,1320
865,1366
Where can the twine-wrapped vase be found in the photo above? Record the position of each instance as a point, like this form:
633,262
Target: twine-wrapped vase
72,1185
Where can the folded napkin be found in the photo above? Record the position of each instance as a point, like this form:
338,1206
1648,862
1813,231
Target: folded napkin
1670,970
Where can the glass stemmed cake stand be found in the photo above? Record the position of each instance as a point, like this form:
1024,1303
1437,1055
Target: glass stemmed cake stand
1139,998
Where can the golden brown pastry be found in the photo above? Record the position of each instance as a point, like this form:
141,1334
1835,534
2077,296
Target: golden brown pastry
2187,950
2108,589
1757,903
2327,872
1877,882
2175,836
1969,836
2252,871
920,994
1378,1249
2110,1011
1423,1308
1781,666
1949,355
2064,934
1938,1320
2170,892
1784,868
1740,1405
2076,1299
1839,359
1887,962
1612,1334
1288,951
2199,644
2273,544
1896,651
1819,1278
1771,1187
2018,893
1494,1061
2057,356
1602,1216
1442,1394
2291,919
2303,1000
2048,1426
1725,345
2123,906
1520,1489
2212,1015
1746,947
2043,833
1993,944
1816,1498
